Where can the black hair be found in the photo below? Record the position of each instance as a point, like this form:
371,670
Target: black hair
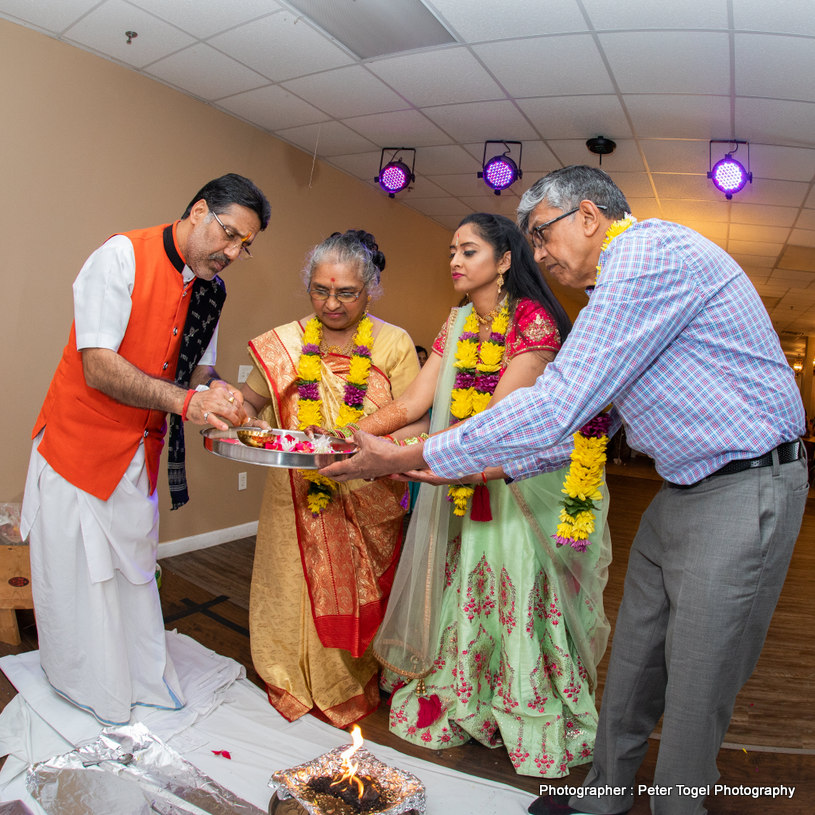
523,278
229,189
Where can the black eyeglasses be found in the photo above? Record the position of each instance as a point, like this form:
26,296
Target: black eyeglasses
536,233
344,296
234,238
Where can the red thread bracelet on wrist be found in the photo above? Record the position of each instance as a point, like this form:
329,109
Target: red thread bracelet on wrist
484,477
187,400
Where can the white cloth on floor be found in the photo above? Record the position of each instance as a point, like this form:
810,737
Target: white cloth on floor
258,739
204,679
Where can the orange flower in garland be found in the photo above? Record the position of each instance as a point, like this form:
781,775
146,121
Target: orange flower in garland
582,484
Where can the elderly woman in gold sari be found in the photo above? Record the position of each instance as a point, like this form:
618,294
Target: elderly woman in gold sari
326,552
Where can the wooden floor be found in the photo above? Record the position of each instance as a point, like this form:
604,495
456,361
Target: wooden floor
771,739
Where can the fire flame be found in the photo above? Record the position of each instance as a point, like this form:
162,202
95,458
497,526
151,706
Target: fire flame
349,767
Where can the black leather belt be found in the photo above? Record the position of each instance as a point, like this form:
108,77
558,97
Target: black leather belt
788,452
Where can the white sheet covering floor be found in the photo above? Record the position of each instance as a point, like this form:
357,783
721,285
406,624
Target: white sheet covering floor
224,712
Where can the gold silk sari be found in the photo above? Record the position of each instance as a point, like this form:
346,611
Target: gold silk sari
320,584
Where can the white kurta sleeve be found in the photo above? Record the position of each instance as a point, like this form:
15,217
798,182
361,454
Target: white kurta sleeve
102,293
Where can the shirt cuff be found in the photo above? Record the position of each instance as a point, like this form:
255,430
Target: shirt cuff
444,456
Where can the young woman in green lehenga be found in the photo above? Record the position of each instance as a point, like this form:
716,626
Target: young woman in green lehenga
493,631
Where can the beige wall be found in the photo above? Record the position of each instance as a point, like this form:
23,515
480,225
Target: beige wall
90,148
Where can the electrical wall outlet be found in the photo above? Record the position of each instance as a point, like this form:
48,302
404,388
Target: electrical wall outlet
243,372
241,481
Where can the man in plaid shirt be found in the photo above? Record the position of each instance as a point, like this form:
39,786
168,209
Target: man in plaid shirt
676,338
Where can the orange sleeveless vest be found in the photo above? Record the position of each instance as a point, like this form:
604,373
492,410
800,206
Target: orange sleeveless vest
89,437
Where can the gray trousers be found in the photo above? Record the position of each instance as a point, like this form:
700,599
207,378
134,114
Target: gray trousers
704,576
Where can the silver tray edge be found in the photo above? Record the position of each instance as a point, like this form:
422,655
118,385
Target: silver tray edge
215,442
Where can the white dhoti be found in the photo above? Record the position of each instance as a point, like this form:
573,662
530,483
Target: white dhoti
99,622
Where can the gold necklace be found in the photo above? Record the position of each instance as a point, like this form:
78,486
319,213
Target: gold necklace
489,317
341,350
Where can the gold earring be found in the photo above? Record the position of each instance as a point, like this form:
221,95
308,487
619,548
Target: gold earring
500,281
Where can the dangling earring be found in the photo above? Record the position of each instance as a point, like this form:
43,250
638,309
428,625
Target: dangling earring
500,281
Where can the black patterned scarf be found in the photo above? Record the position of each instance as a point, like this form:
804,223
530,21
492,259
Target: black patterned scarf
206,300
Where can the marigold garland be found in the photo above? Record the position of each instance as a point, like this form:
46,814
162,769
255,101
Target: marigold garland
475,382
585,477
582,484
310,403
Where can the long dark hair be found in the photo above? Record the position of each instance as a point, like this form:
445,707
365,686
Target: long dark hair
523,278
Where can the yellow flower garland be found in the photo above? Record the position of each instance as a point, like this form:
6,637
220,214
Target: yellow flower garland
310,404
475,382
585,477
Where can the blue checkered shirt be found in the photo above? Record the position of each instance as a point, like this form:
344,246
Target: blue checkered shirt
677,339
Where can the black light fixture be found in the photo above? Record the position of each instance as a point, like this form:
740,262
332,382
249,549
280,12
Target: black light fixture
727,174
395,176
601,146
501,172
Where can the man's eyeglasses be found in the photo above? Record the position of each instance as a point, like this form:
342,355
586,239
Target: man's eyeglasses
536,233
344,296
234,238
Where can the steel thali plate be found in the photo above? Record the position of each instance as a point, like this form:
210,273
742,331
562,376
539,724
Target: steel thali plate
225,443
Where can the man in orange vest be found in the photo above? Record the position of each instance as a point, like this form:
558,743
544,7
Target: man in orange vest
142,345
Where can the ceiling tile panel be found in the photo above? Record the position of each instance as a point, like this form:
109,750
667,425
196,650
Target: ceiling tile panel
190,69
679,116
754,232
537,159
644,208
53,16
633,185
674,155
683,211
327,138
272,108
465,123
416,77
562,117
479,20
742,213
789,17
773,162
444,160
638,14
626,158
461,184
757,261
806,219
768,192
203,18
547,66
669,61
103,30
401,128
754,52
364,166
344,92
743,247
775,121
281,46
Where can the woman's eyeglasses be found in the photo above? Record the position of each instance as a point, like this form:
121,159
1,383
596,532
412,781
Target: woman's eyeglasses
344,295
